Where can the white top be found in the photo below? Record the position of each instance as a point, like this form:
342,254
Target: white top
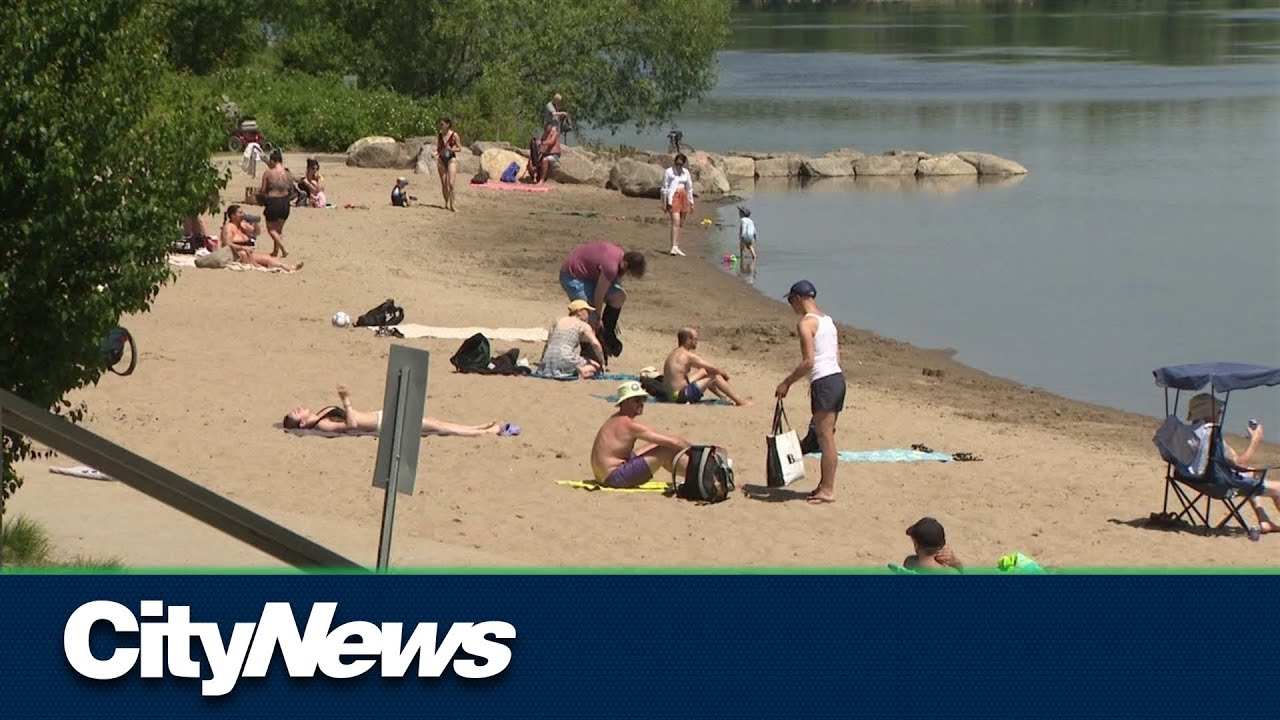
671,182
826,348
747,229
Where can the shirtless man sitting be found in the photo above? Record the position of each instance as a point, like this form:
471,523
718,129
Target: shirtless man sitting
932,554
345,419
688,376
614,460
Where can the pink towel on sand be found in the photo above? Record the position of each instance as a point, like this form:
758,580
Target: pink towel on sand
517,187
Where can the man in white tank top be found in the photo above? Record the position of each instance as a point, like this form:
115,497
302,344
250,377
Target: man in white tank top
820,361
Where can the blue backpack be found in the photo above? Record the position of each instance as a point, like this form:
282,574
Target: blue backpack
509,175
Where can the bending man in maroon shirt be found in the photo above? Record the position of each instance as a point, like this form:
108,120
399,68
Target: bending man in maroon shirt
592,273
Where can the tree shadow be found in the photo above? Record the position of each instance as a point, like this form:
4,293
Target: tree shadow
764,493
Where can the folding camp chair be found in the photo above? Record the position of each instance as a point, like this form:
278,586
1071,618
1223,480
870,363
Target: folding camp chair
1179,444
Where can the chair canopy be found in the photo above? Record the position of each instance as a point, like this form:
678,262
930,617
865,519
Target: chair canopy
1222,376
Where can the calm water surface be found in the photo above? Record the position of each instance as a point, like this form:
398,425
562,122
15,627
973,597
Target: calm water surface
1146,233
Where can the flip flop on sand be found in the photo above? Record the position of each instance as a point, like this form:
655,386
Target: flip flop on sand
509,429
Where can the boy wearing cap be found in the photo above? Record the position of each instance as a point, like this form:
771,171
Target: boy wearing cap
399,195
614,459
932,552
820,361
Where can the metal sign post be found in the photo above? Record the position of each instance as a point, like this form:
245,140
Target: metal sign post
400,436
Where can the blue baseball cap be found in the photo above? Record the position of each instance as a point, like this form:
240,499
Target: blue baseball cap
804,288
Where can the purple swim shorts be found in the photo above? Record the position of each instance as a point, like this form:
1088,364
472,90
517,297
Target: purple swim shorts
635,471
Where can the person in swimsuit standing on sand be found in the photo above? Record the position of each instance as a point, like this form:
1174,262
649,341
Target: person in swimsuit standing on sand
820,361
614,460
275,188
347,419
448,145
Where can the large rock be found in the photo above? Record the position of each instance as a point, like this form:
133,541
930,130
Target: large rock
496,160
827,167
949,164
851,153
380,152
782,166
755,154
738,167
875,165
578,167
899,152
711,181
468,164
636,179
478,147
989,164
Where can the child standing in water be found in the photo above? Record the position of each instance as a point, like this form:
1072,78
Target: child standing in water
746,234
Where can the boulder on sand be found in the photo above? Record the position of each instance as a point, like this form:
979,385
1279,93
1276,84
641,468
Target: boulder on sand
578,167
949,164
380,152
478,147
496,160
989,164
468,164
636,179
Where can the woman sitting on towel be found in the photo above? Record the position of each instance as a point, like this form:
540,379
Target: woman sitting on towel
561,356
235,235
347,419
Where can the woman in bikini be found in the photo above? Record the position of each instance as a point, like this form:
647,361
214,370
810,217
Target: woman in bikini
347,419
448,145
235,236
275,189
313,184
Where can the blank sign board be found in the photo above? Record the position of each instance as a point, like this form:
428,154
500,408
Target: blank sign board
403,403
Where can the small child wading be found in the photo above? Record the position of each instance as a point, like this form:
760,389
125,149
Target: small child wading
746,233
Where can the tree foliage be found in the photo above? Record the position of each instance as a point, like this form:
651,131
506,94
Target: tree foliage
95,179
616,61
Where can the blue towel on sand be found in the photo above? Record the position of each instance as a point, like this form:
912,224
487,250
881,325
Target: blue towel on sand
894,455
616,377
706,401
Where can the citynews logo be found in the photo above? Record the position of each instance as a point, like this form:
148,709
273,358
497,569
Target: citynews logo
344,652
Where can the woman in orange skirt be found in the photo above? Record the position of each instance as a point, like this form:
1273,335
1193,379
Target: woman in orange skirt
677,198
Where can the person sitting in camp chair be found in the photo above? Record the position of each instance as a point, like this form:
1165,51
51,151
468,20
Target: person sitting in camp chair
347,419
1204,413
614,459
688,376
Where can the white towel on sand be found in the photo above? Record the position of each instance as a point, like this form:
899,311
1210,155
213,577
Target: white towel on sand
462,333
81,471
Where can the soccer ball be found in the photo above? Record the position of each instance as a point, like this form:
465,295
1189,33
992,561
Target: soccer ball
341,320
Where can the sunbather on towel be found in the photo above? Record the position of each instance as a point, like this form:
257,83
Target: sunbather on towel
241,243
688,376
1204,413
932,554
614,459
347,419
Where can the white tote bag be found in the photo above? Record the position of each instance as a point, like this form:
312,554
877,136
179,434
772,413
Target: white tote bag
785,461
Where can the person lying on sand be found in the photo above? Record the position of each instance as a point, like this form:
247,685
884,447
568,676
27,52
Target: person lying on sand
932,554
614,460
347,419
688,376
241,244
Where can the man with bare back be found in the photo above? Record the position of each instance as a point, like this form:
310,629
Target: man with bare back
614,459
687,376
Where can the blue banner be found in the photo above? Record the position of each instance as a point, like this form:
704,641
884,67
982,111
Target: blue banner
631,646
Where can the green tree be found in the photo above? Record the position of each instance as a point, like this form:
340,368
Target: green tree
616,61
206,35
96,177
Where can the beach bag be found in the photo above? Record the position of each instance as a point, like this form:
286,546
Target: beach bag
480,178
473,355
113,347
708,477
388,313
187,245
784,462
655,386
509,175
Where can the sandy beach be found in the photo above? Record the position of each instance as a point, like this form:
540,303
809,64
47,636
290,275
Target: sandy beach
224,355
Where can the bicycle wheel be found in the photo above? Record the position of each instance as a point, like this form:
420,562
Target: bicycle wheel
234,144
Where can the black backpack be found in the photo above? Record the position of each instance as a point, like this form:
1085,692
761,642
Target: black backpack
388,313
708,478
473,355
113,347
656,386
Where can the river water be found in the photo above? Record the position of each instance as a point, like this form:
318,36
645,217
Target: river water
1147,232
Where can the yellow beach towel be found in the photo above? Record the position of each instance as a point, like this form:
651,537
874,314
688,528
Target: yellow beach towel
652,486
